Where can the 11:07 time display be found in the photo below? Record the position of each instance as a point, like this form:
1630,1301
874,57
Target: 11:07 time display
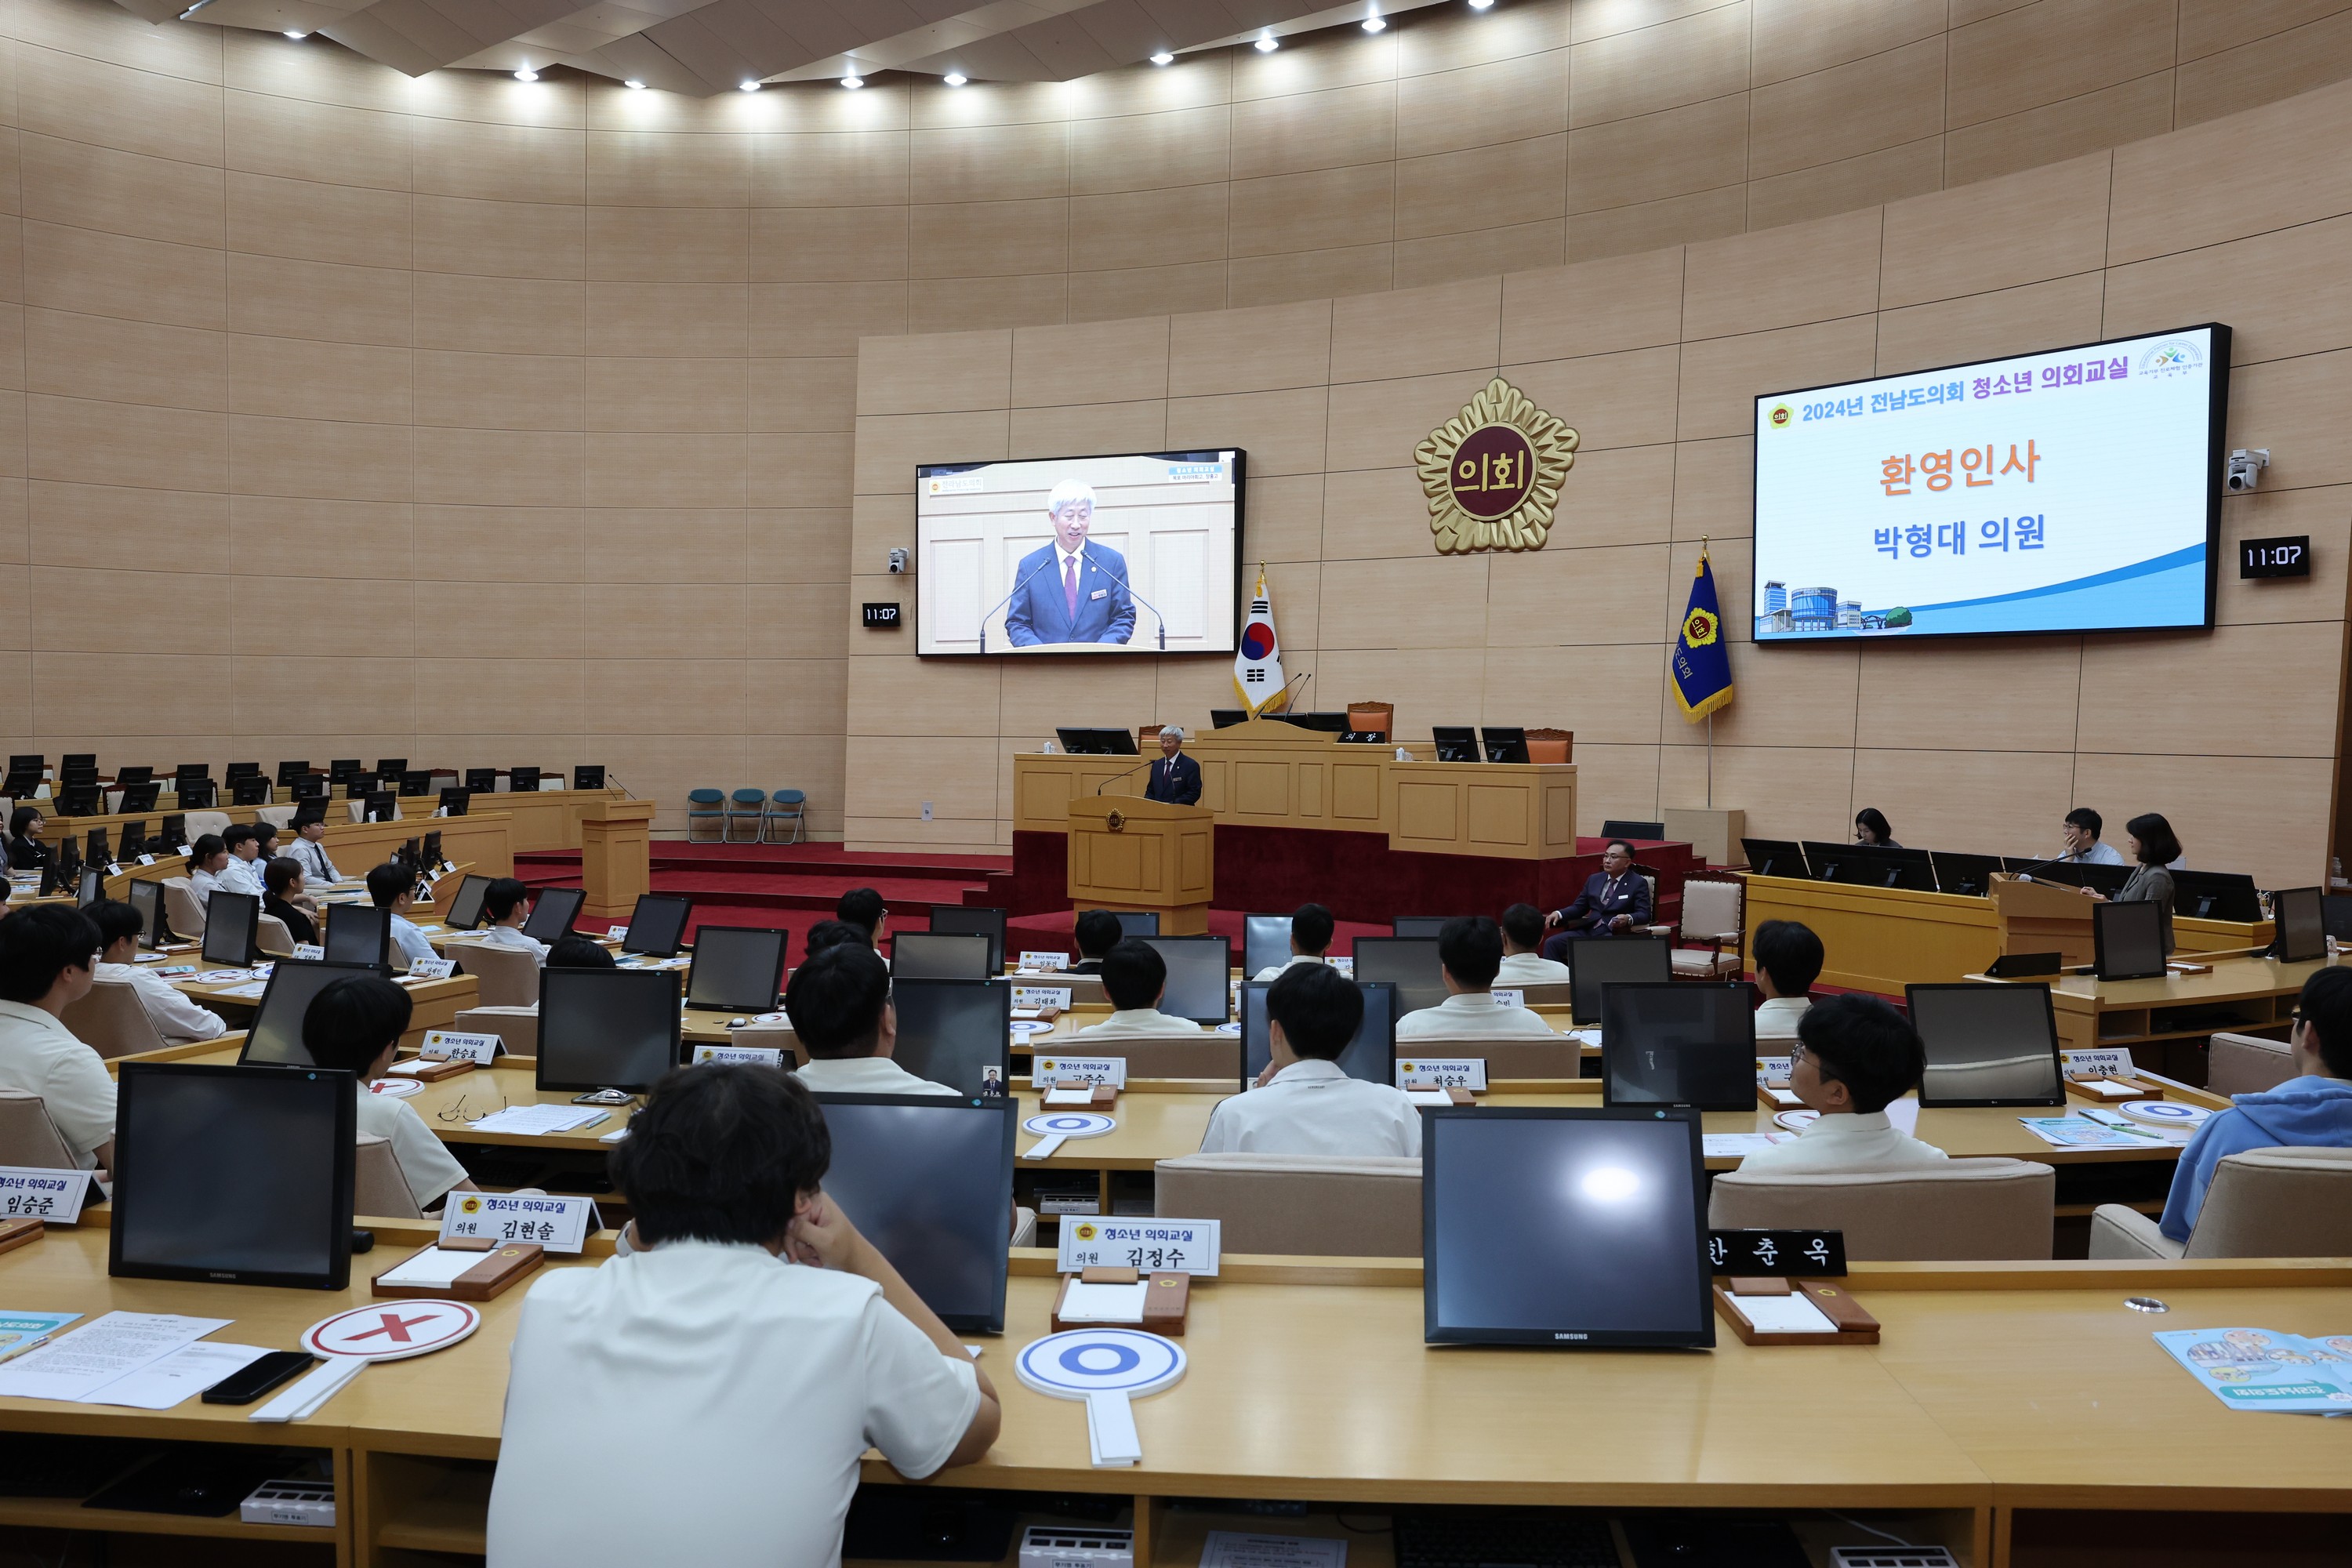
2284,557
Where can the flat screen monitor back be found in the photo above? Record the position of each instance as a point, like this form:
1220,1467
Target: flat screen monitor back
276,1037
2301,914
959,919
1970,876
2216,896
1137,922
1987,1045
2128,940
606,1028
1200,976
1370,1053
466,908
739,968
1566,1227
928,955
929,1181
1265,943
1775,856
1417,925
658,925
1679,1045
93,886
230,921
234,1175
1597,962
146,898
357,933
1407,962
956,1032
552,916
1504,746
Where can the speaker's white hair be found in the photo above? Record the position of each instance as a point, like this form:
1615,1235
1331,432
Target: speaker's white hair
1068,490
1175,729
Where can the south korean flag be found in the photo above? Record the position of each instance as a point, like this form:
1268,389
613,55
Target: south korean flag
1257,666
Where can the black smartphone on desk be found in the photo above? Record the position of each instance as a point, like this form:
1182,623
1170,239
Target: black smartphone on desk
248,1384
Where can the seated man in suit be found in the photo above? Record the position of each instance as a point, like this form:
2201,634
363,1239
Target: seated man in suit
1470,952
1175,777
1070,591
1615,902
1523,964
1134,977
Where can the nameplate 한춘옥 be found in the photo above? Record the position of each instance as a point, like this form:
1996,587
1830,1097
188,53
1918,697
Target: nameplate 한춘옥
1040,997
1052,961
459,1046
1151,1245
740,1056
1769,1252
1442,1072
1508,996
1051,1072
432,969
557,1224
44,1194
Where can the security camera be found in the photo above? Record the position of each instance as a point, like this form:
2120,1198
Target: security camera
899,557
2245,463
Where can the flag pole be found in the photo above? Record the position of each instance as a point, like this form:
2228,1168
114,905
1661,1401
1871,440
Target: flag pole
1702,542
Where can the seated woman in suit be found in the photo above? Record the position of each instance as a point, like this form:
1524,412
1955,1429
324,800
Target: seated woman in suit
2153,847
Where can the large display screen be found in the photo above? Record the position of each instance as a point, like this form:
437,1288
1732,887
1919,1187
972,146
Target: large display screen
1138,554
2072,490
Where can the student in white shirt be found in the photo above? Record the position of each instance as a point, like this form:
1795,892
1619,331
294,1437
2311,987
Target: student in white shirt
354,1026
1522,960
1096,932
47,962
1788,958
829,933
309,845
734,1364
391,887
507,904
1310,939
241,873
1302,1102
839,1005
174,1012
208,858
863,908
1134,977
1470,951
1854,1056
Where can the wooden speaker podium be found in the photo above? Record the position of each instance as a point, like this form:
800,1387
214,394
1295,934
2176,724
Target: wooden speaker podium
2041,917
1128,853
615,856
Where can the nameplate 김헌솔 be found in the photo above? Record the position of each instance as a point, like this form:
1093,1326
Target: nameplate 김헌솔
557,1224
1054,1071
1150,1246
1442,1072
52,1195
1769,1252
455,1045
740,1056
1041,996
1048,960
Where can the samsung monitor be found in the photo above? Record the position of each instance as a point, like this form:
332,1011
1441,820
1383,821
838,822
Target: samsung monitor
1885,866
431,856
1986,1044
939,956
195,795
97,854
288,772
1200,976
2216,896
79,800
239,770
383,805
2128,940
1503,745
128,776
929,1179
1407,962
233,1175
231,921
1370,1056
309,786
1137,922
1567,1227
606,1028
392,767
415,783
739,969
962,920
1417,925
1682,1044
1595,963
92,889
552,914
34,763
276,1035
1969,876
341,768
146,900
482,781
466,908
955,1032
455,801
173,837
588,775
2302,924
1455,743
523,780
1265,943
137,799
134,843
21,786
360,785
357,933
1089,742
658,924
248,789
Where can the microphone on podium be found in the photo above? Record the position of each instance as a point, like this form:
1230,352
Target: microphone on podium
1008,599
1300,681
1123,773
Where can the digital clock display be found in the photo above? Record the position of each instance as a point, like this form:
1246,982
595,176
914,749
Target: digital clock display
2285,557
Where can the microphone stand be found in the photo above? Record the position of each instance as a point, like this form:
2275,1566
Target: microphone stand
1146,604
1008,597
1124,774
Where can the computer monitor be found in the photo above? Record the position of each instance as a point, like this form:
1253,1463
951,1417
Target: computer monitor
392,767
1881,865
128,776
1370,1056
1137,922
1407,962
2302,924
522,781
1617,827
1986,1044
465,907
606,1028
2128,940
21,786
2337,907
2216,896
2107,879
1092,742
248,789
962,920
35,762
1678,1044
939,956
482,781
1417,925
146,900
134,845
230,921
92,889
1321,721
342,768
1968,875
1226,718
139,798
415,783
553,913
241,771
955,1032
658,924
454,801
357,933
309,786
360,785
929,1182
1503,745
1455,743
430,857
1200,976
78,800
173,839
1265,941
97,853
588,775
1570,1227
288,772
276,1036
233,1175
383,805
1595,963
194,794
738,968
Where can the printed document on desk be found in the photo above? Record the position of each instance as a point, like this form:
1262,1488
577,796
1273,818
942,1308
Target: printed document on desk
2263,1369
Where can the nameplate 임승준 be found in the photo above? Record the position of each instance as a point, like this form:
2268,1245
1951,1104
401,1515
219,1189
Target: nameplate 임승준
44,1195
557,1224
1151,1245
1039,996
1055,962
458,1046
433,969
1769,1252
1052,1071
740,1056
1442,1072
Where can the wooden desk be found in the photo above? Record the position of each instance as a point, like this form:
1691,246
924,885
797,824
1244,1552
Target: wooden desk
548,819
2240,995
435,1003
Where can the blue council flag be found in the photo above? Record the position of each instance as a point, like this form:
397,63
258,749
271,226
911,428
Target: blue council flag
1702,662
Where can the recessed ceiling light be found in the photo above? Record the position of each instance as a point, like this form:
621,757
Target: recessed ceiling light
635,84
298,38
1482,5
1268,42
525,74
747,86
1163,58
853,82
955,78
1375,24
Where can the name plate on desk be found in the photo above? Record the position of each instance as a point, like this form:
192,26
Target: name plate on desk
1052,961
2104,1062
454,1045
433,969
1772,1070
146,859
557,1224
741,1056
1765,1252
1048,1072
44,1195
309,950
1442,1072
1041,996
1152,1245
1508,996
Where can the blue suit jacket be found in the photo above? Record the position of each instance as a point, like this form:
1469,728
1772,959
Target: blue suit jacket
1106,608
1176,780
1594,908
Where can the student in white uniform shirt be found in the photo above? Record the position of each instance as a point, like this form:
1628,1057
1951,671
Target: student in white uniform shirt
863,908
1302,1103
1470,950
734,1362
1096,932
208,858
354,1026
839,1005
309,847
1134,978
1854,1056
48,958
1522,960
174,1012
1788,958
391,887
507,904
1310,939
241,873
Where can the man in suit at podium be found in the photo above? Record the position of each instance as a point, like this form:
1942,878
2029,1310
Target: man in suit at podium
1070,590
1175,777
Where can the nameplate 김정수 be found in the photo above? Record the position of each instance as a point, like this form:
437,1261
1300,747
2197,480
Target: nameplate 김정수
1150,1246
740,1056
1052,1071
557,1224
1442,1072
457,1045
26,1193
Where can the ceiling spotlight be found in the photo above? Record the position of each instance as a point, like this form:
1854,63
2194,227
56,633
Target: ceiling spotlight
1268,42
1482,5
853,82
634,84
747,86
1163,58
1375,23
298,38
525,74
955,78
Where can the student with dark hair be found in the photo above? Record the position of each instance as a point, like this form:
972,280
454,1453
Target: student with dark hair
746,1349
1097,932
282,895
265,844
506,904
1302,1103
49,959
862,907
309,845
2081,831
208,858
2310,1110
1870,828
1788,958
26,850
1522,960
242,871
1854,1056
392,885
2153,849
1134,977
839,1004
572,951
1310,938
1615,902
354,1026
173,1011
1470,951
832,933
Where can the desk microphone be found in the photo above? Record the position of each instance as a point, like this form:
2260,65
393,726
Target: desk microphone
1008,599
2041,865
1301,682
1146,604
